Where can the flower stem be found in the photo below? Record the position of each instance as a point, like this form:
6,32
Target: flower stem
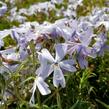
58,99
38,99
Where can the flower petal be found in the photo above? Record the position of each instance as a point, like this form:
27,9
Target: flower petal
4,33
46,54
82,61
68,65
42,86
42,60
58,77
88,51
61,50
44,70
86,37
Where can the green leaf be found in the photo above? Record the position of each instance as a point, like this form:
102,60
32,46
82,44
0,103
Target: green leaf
102,103
28,79
2,84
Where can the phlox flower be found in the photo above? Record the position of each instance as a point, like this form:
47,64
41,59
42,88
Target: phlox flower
79,44
55,65
49,65
100,44
42,87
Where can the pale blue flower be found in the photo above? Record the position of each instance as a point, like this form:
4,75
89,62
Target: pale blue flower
55,64
79,44
42,87
100,44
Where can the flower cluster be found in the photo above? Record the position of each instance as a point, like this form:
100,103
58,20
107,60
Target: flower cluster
21,15
75,40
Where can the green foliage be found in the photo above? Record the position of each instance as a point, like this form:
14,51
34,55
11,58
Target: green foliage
4,24
88,5
8,41
2,85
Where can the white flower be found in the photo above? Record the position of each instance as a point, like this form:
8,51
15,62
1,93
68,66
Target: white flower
42,87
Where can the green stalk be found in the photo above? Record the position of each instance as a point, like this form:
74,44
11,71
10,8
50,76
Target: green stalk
32,47
58,99
102,103
51,96
38,99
